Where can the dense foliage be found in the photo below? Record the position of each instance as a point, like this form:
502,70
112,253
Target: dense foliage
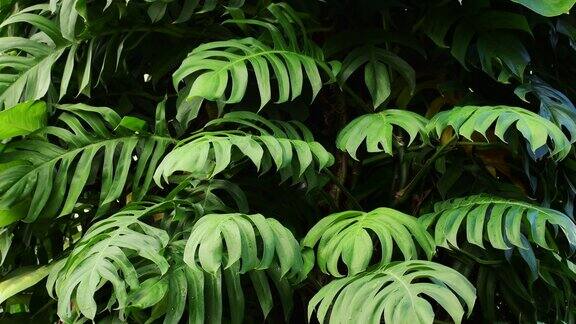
327,161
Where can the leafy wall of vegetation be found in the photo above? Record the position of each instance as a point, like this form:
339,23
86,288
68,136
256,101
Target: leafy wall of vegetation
332,161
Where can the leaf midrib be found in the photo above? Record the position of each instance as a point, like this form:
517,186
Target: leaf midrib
498,201
24,74
77,150
405,285
263,53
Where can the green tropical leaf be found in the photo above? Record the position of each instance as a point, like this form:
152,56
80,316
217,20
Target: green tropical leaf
26,64
79,212
227,60
347,235
548,8
506,52
22,279
22,119
204,294
14,214
42,23
502,222
288,146
536,130
149,293
398,293
230,281
240,233
32,77
106,254
57,52
216,66
376,129
167,295
52,164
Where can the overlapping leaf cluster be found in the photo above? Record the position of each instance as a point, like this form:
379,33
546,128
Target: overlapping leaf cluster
245,161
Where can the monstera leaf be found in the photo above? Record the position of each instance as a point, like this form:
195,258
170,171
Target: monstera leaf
44,167
205,248
502,222
398,293
536,130
214,67
107,253
376,129
346,235
27,63
507,225
287,146
548,8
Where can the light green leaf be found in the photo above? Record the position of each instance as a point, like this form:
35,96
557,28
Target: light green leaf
288,60
548,8
504,223
42,23
376,130
220,241
22,119
222,61
13,214
133,124
347,235
32,79
149,293
106,254
554,105
378,82
537,131
177,292
21,279
398,293
208,153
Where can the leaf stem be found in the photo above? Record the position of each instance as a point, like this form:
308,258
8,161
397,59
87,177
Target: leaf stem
343,189
402,195
357,99
484,144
